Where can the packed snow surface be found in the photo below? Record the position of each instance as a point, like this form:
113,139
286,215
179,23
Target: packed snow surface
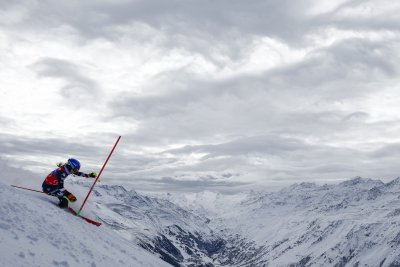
35,232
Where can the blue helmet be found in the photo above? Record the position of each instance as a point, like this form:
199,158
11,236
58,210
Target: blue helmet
73,165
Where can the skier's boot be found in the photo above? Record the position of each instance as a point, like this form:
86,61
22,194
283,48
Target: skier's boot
63,202
66,199
70,197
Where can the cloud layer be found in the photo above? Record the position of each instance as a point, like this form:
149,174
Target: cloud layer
206,94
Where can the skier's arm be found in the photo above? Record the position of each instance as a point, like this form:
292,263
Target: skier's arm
87,175
58,173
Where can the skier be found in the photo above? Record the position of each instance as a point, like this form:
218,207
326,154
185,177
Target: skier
54,183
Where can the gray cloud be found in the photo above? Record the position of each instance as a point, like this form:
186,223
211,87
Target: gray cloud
6,121
49,151
16,175
273,145
288,160
282,100
300,120
178,15
13,145
387,151
183,185
222,27
353,60
77,85
356,116
287,19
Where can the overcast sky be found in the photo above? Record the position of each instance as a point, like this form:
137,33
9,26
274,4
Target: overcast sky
206,94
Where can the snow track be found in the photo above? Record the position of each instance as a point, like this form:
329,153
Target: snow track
35,233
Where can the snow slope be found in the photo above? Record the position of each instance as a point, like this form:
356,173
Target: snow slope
34,232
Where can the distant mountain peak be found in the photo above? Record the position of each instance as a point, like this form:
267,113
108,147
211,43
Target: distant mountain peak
357,181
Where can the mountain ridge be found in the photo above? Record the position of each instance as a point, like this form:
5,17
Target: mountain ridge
321,225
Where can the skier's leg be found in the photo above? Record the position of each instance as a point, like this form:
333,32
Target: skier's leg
56,191
69,196
66,198
52,190
60,192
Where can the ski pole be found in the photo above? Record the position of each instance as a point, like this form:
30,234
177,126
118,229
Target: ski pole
98,176
29,189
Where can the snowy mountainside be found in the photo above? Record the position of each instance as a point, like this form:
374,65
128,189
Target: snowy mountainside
178,236
35,232
354,223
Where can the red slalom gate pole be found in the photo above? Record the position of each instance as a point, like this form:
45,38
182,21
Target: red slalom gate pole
98,176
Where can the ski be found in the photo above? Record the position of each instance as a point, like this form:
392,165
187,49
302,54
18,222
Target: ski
86,219
70,210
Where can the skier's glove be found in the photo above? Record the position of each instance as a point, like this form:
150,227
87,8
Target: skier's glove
92,175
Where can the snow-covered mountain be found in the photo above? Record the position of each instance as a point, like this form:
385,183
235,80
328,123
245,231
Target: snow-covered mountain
179,236
354,223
